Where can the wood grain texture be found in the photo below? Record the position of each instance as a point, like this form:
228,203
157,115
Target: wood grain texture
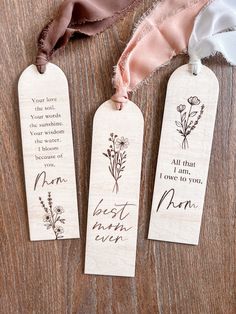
48,151
114,189
47,277
184,156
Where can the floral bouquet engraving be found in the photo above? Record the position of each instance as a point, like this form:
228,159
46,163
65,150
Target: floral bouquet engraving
52,217
116,153
189,118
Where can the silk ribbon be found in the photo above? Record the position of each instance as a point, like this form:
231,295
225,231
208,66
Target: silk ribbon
214,32
161,35
80,17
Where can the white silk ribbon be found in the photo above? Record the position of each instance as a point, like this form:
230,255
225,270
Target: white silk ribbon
214,32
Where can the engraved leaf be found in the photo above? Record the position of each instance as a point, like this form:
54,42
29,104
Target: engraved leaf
192,114
180,132
105,154
183,117
178,124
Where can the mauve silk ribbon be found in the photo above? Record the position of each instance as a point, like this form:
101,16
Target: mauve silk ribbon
162,34
83,17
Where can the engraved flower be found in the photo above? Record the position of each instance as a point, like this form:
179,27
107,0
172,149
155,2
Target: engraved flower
46,218
181,108
116,153
122,143
189,118
53,216
58,230
59,209
194,101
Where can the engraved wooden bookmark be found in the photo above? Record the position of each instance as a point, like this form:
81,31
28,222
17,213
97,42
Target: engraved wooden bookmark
114,190
48,154
184,155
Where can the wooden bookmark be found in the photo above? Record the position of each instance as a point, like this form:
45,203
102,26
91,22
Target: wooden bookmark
114,190
48,154
184,155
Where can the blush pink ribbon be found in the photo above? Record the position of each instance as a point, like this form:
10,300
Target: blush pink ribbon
161,35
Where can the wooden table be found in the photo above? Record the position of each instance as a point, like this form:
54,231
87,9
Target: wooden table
47,277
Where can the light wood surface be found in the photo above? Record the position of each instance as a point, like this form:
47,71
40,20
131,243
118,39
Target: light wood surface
113,207
48,154
47,277
184,156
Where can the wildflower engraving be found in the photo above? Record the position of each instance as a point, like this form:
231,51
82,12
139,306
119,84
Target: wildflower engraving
53,217
189,118
116,153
